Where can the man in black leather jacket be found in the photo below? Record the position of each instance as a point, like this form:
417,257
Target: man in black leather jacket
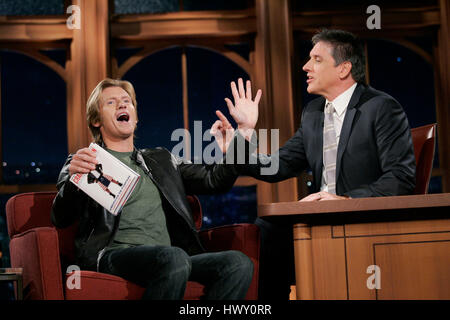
153,241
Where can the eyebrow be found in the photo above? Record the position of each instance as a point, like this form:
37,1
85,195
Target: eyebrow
124,96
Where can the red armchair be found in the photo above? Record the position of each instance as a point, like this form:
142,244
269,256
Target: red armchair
424,140
44,252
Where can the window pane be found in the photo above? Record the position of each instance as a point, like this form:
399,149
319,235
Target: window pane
122,54
162,6
194,5
58,55
145,6
34,131
31,7
302,5
209,77
407,77
237,206
157,81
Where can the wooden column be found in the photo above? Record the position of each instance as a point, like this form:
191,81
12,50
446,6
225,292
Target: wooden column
273,74
442,85
89,63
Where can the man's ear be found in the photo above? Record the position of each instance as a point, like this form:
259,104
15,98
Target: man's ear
345,69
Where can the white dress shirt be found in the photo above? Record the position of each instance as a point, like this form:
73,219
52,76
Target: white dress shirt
340,106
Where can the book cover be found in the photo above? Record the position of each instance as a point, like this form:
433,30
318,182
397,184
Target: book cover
110,183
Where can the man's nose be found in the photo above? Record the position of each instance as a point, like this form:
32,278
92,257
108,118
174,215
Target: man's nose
306,67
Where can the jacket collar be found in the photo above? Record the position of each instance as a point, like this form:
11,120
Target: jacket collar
136,156
139,159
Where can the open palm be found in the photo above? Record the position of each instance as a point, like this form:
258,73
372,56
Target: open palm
244,110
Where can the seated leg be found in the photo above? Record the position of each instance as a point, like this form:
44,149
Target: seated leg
164,271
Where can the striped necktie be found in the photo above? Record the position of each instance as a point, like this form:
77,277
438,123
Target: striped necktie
329,148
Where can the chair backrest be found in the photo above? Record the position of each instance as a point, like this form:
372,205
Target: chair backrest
30,210
424,140
26,211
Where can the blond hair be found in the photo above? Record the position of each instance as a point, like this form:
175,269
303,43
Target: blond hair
94,103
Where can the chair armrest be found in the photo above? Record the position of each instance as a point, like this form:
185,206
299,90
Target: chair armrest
37,252
243,237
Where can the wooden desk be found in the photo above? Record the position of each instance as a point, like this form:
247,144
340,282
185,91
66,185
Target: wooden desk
335,242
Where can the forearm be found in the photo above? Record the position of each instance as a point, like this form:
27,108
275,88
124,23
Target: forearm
208,179
284,163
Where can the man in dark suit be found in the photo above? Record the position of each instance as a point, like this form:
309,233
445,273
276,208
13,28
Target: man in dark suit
355,139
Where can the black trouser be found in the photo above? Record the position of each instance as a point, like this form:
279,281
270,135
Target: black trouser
164,271
276,261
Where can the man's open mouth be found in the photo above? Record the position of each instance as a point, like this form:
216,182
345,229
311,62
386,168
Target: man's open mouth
123,117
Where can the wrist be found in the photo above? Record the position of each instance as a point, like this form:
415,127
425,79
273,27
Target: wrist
246,132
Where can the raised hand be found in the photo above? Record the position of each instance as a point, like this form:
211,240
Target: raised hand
244,110
222,131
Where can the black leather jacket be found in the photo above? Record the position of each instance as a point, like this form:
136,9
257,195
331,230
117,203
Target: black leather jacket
174,180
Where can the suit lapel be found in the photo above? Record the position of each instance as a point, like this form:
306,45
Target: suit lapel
317,145
347,126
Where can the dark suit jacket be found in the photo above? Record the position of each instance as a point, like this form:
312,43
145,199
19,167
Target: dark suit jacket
375,154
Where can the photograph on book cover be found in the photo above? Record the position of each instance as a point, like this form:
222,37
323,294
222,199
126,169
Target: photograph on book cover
110,183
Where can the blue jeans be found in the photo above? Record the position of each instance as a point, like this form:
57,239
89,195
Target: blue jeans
164,271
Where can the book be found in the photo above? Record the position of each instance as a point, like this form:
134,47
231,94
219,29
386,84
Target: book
110,183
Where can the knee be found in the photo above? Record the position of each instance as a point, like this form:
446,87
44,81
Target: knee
241,263
176,261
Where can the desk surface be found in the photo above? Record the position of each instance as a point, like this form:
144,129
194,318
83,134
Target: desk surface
361,208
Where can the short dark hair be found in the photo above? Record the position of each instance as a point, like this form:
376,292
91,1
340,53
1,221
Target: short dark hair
345,47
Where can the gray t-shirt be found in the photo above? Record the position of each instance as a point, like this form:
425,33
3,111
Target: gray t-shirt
142,221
